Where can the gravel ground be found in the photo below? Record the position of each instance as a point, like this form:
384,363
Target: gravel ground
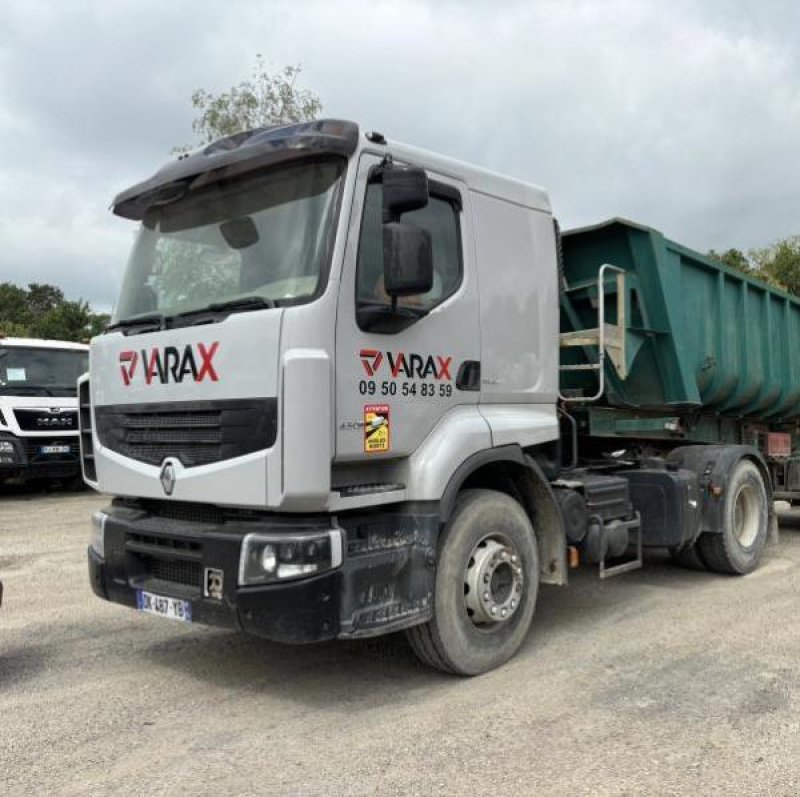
663,681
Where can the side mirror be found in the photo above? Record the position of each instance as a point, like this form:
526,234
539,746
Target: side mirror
407,259
403,190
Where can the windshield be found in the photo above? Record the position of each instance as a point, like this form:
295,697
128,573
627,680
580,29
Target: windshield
41,372
268,236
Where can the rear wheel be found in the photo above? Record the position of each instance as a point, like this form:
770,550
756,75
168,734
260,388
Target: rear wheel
487,579
739,547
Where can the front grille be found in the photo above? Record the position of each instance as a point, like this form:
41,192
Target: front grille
37,457
166,558
180,510
47,420
175,571
162,510
196,433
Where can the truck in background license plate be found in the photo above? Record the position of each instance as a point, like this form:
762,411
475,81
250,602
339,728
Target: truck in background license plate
54,449
160,605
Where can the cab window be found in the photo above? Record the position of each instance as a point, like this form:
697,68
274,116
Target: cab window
441,218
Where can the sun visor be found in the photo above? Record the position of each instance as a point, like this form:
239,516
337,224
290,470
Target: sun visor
236,155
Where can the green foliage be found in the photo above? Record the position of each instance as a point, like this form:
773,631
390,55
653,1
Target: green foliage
14,307
267,98
780,264
733,258
41,311
777,265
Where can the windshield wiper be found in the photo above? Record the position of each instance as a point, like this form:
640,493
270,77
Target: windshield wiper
143,320
232,306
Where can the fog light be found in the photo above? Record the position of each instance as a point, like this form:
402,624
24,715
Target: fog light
278,557
98,540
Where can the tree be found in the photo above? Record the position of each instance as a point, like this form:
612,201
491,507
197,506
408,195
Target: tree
42,297
779,264
267,98
733,258
14,309
41,311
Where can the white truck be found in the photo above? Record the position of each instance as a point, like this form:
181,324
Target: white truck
39,408
328,404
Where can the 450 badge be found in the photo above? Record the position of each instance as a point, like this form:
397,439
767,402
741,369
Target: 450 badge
432,371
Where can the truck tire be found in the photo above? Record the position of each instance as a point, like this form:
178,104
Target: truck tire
738,549
487,579
688,557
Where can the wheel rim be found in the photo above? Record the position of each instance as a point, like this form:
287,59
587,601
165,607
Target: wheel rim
493,581
746,515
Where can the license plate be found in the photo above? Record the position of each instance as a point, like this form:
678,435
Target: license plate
172,608
54,449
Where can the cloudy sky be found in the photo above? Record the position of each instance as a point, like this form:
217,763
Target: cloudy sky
681,115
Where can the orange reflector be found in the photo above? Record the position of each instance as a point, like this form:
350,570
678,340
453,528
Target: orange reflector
715,490
574,556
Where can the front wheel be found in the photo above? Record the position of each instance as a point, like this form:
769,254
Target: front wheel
739,547
487,579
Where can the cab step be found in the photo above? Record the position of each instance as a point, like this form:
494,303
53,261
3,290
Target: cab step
357,490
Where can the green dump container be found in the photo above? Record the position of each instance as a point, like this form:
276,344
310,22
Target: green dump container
698,335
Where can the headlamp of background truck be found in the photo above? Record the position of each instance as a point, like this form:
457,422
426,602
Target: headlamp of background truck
266,558
98,540
8,453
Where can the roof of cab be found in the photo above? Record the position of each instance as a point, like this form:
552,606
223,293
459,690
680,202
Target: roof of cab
251,150
477,179
41,343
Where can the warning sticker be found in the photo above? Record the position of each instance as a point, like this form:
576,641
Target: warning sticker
377,430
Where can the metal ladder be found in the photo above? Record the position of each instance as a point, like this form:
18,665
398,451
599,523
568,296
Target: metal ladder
608,338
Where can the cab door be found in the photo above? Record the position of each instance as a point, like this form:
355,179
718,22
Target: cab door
398,374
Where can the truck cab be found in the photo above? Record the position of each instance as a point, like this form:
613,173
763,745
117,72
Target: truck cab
38,408
327,405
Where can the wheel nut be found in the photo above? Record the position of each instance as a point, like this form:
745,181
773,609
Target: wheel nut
513,604
494,609
514,558
504,612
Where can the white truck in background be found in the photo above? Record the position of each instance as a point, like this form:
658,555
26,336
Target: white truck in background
38,408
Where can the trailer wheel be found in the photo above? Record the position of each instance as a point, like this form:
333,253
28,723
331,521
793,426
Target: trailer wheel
487,578
738,548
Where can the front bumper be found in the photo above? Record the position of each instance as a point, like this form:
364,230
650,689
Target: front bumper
291,612
385,581
28,458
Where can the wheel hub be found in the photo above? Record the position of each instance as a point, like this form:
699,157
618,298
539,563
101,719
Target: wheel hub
493,582
746,515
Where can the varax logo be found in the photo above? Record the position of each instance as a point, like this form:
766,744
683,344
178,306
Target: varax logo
411,366
170,364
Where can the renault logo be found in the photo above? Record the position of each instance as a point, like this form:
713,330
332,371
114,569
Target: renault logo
168,478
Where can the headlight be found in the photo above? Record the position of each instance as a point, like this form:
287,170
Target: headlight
277,557
8,453
98,540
